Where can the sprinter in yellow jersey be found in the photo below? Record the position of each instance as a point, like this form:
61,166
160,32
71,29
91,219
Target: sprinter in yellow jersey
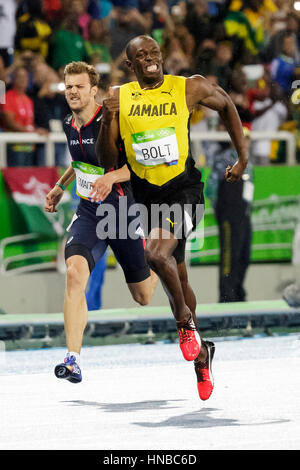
150,117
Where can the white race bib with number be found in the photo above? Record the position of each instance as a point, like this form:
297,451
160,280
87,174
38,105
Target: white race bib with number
86,175
156,147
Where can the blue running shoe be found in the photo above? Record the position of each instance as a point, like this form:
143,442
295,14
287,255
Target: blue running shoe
69,370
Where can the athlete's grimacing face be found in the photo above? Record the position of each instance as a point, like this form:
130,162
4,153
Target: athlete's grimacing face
79,92
146,61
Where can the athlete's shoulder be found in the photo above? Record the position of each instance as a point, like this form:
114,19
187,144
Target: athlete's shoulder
98,114
174,77
95,121
68,120
99,110
128,86
196,81
174,82
67,123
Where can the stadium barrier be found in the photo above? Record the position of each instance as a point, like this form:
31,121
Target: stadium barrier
149,324
196,137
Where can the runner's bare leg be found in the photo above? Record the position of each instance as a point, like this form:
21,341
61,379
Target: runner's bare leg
75,306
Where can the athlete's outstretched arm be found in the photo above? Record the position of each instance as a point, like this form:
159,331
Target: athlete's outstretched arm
103,185
67,177
200,91
55,195
107,144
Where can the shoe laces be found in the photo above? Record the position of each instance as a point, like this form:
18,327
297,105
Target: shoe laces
186,331
202,371
185,335
69,360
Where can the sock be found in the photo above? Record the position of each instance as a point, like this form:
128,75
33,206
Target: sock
76,355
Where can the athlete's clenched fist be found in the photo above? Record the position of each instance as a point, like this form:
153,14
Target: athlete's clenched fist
110,106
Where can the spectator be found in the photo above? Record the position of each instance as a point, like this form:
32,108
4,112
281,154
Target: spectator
274,113
26,60
127,23
94,9
175,58
259,14
83,18
273,46
53,11
222,63
105,8
198,21
161,23
120,73
180,31
41,115
204,120
205,57
283,67
33,32
294,111
7,29
18,116
98,53
50,108
66,8
244,98
238,94
232,204
4,76
97,45
247,25
68,43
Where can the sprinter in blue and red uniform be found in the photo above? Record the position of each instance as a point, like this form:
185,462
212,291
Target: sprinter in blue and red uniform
89,235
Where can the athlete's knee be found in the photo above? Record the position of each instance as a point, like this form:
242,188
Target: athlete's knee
76,275
73,276
155,258
141,297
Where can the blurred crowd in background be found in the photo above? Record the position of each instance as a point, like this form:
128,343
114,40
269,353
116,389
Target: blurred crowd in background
251,48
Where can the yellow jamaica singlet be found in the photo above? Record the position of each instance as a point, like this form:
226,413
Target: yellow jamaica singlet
154,127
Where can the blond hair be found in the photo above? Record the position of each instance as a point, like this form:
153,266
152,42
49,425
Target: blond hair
76,68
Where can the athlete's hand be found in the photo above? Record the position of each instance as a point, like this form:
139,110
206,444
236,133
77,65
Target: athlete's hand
102,187
110,106
53,198
235,172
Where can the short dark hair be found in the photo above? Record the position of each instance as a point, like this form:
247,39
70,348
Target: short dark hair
129,45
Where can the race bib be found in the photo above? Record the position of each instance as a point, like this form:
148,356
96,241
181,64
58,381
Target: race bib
156,147
86,175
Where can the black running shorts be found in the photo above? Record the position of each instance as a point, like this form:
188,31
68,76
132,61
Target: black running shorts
88,237
178,213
